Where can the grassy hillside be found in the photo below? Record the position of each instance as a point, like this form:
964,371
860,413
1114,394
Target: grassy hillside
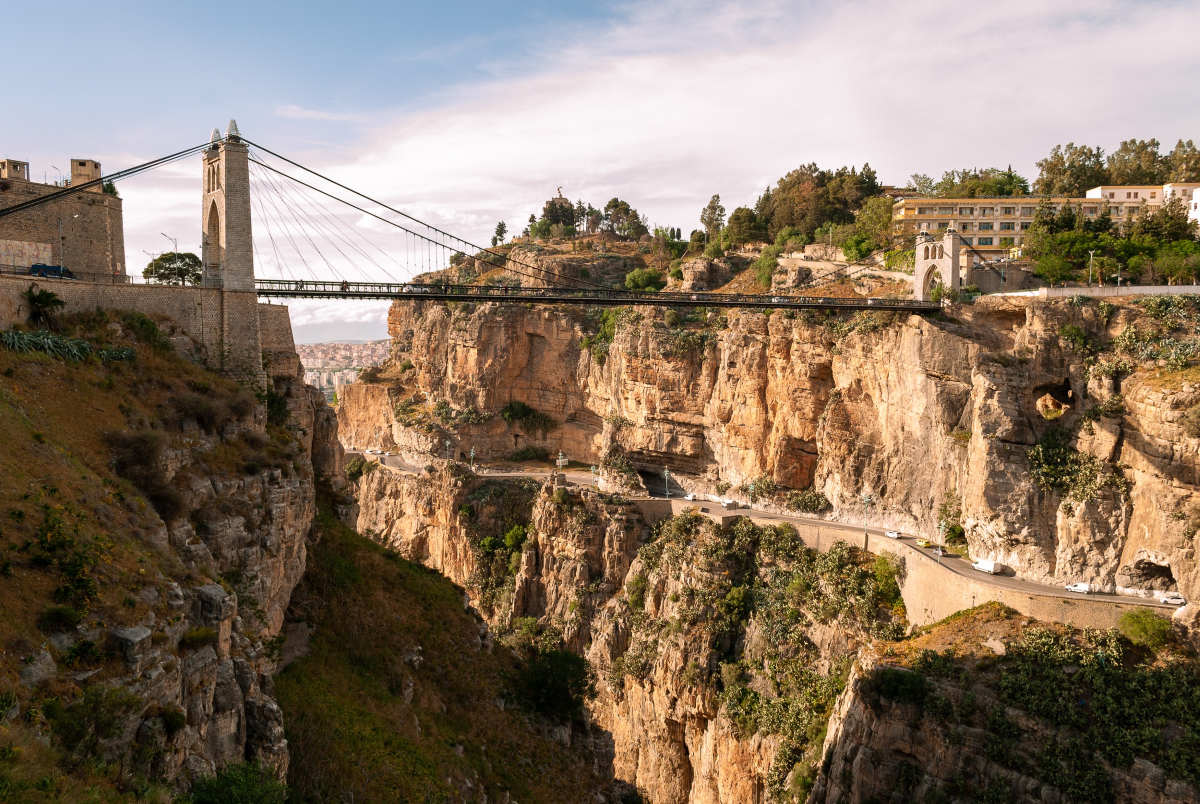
85,417
369,721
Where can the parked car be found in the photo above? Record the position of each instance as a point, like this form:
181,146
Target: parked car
689,497
984,565
1081,588
50,271
924,543
1173,599
727,503
892,534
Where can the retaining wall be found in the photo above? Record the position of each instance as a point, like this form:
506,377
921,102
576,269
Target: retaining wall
931,592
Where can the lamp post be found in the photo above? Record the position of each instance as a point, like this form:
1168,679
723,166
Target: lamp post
595,475
867,501
1091,259
667,480
472,459
448,452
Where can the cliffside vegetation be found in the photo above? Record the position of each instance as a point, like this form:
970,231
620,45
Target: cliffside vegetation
88,415
402,697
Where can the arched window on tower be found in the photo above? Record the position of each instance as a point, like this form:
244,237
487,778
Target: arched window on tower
926,253
941,252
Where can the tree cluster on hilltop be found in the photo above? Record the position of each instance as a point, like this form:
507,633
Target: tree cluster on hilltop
1071,170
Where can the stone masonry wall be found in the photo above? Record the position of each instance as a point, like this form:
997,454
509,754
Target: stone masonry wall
94,242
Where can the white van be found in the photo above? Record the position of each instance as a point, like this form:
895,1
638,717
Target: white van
990,567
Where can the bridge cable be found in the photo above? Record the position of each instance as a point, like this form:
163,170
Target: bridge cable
417,235
113,177
300,224
453,237
262,215
287,195
283,224
346,233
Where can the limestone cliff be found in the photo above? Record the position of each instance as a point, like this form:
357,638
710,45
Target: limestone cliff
920,414
188,503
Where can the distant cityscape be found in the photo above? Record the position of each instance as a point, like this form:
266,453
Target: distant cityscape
329,366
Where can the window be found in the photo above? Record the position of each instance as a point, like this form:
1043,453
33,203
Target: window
1131,211
966,226
967,240
1135,195
1089,210
83,164
966,211
945,210
987,212
1153,195
1129,195
924,210
985,241
1007,210
1007,226
1026,211
986,227
942,225
1112,195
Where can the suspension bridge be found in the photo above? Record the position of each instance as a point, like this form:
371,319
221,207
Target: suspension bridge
318,238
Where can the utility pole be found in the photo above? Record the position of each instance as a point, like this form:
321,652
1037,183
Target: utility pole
1091,259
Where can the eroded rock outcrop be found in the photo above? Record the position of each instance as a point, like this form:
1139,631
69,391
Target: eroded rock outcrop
916,412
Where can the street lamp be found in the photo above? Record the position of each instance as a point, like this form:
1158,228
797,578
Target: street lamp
595,475
667,480
867,501
448,452
472,459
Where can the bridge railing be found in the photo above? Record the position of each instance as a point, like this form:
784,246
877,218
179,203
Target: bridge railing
416,291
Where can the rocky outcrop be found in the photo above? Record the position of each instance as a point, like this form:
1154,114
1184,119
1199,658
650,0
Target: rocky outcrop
916,412
194,643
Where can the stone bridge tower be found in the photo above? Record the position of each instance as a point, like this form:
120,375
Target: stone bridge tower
938,263
228,251
229,303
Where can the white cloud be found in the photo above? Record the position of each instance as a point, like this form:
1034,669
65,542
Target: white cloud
679,101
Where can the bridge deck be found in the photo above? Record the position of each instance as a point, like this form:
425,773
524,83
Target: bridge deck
308,289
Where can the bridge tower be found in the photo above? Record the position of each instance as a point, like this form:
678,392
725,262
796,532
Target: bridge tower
228,303
938,262
228,252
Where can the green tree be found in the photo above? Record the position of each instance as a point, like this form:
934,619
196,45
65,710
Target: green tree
175,268
623,220
1167,223
557,683
501,233
1183,163
1070,171
1054,269
712,217
920,184
974,183
809,196
239,783
874,222
641,279
1137,162
744,227
41,307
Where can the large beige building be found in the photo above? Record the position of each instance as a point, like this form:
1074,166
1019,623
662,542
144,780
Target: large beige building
992,227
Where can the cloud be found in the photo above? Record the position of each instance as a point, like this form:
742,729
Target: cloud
678,100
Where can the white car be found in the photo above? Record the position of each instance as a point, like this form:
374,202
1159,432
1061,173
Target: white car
1173,599
892,534
689,497
1081,588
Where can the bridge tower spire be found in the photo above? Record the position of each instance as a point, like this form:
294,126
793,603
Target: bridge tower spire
228,252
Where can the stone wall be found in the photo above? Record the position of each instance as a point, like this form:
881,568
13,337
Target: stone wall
94,242
223,324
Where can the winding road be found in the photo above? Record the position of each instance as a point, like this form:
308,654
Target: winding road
948,562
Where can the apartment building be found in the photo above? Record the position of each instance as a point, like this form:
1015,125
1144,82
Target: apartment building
992,228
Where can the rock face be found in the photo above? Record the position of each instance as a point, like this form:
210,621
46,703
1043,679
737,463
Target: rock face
643,628
917,412
201,660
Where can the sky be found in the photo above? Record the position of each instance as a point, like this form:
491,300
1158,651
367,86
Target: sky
468,113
